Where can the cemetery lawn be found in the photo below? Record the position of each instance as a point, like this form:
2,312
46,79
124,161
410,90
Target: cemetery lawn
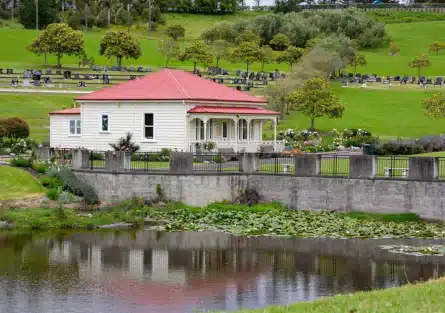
386,113
412,298
16,183
34,109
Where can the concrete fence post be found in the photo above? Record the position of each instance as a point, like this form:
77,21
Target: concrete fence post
117,160
423,168
362,166
250,162
307,165
81,159
181,162
43,154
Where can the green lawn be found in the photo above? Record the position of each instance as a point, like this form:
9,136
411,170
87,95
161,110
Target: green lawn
34,108
427,297
16,183
386,113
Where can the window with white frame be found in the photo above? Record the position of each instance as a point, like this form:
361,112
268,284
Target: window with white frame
242,130
199,127
105,122
75,128
252,130
149,126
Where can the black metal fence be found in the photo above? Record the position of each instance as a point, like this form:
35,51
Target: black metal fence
276,163
392,166
217,162
334,165
97,160
150,161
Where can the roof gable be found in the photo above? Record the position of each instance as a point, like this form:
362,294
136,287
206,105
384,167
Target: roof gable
171,84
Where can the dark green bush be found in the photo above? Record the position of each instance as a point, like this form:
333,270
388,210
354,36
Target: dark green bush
40,167
46,181
358,141
14,127
21,162
52,194
76,187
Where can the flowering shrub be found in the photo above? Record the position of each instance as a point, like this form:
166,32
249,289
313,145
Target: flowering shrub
16,145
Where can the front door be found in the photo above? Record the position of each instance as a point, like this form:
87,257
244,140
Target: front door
221,130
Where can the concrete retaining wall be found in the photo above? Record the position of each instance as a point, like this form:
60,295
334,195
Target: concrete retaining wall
425,198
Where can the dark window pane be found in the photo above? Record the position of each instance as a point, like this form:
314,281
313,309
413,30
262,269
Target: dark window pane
149,132
104,122
149,119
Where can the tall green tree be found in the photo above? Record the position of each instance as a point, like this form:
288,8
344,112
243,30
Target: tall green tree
291,56
169,49
267,56
120,44
419,62
198,52
59,39
316,99
175,31
248,36
437,46
31,18
220,50
358,60
247,53
280,42
434,106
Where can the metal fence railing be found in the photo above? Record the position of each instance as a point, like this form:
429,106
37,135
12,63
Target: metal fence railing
97,160
150,161
61,156
334,165
441,168
392,166
217,162
276,163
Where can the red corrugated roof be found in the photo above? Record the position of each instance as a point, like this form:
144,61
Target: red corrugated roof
67,111
231,110
171,85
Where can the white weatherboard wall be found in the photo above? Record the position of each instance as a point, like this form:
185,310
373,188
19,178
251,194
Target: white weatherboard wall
124,117
60,136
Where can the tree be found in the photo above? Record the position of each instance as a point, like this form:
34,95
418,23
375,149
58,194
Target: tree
120,45
316,99
248,36
434,106
198,52
358,60
247,52
394,48
220,50
437,46
125,144
267,56
420,62
169,48
31,18
280,42
290,56
175,31
59,39
106,4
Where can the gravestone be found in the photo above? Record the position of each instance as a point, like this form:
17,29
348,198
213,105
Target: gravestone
26,83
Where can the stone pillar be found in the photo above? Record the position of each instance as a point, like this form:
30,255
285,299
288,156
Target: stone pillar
308,165
117,160
423,168
181,162
250,162
362,166
81,159
43,154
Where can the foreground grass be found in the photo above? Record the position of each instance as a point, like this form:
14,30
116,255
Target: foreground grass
269,219
16,183
428,297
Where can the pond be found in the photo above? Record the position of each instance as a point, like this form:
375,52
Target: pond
144,271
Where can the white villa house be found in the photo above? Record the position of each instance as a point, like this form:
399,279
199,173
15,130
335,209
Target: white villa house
167,109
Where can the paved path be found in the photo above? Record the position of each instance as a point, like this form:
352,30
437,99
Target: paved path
45,91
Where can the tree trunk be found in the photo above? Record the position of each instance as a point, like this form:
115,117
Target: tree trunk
194,67
44,58
262,67
128,16
119,62
108,17
217,62
355,69
37,13
418,72
63,9
291,66
149,19
247,69
58,60
12,10
312,123
166,62
85,12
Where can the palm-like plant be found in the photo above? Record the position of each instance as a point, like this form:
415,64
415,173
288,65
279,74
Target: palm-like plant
107,6
125,144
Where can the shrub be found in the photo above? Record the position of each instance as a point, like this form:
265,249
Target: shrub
358,141
219,159
14,127
52,171
40,167
65,197
78,188
52,193
21,162
125,144
175,31
46,181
